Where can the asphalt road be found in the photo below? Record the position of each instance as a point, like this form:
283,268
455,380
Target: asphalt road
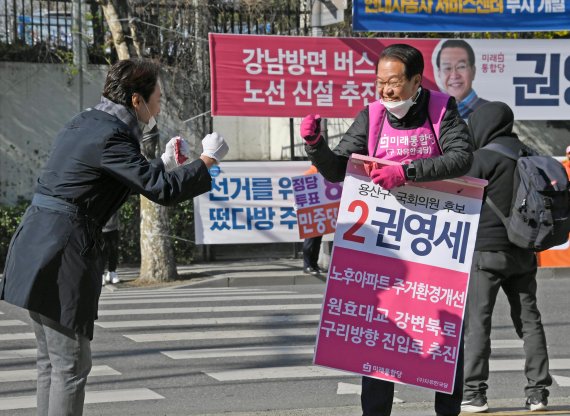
245,351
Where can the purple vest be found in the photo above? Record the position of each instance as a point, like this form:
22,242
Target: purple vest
403,146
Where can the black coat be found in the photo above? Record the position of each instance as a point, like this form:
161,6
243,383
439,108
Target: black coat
54,263
453,136
494,123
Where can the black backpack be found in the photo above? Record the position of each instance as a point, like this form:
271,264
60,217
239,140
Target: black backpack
540,209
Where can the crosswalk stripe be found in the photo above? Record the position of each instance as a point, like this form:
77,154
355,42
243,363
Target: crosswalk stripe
12,322
561,380
202,299
239,352
100,396
275,319
192,294
349,388
137,292
15,354
314,371
265,373
210,309
201,335
17,336
506,343
518,365
26,375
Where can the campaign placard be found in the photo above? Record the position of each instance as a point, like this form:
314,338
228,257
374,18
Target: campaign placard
398,278
317,202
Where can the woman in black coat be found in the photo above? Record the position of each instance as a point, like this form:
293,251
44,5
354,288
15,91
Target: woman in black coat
54,262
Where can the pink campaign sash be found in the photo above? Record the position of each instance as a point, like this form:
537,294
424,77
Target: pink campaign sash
406,145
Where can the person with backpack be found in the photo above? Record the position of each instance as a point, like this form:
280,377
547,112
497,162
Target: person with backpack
420,129
498,263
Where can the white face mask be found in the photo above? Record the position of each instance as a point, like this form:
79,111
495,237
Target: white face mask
151,121
400,108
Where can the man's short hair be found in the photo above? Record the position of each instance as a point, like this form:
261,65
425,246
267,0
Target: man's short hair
411,58
130,76
456,43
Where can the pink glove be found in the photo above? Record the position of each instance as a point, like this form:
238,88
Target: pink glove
311,128
388,177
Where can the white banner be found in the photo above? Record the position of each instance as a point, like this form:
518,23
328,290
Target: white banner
250,202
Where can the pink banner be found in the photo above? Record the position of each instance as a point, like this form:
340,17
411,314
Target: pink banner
291,76
285,76
397,283
399,322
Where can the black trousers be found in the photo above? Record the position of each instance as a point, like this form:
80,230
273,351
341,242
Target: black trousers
311,248
513,271
111,249
377,395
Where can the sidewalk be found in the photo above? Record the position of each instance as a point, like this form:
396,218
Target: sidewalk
259,272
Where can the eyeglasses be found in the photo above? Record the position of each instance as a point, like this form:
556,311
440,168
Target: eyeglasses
459,68
390,84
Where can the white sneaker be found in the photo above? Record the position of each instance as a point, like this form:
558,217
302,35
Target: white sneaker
114,278
103,284
107,277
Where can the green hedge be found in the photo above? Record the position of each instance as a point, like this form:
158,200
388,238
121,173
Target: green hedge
181,230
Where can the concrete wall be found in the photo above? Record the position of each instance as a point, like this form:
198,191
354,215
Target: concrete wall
37,99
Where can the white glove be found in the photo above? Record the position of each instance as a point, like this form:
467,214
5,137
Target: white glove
214,146
177,153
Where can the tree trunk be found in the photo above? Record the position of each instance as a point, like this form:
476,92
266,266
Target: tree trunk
157,256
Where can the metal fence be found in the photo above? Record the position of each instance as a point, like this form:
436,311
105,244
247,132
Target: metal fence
33,22
44,25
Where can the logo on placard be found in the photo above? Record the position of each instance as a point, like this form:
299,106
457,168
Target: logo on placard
215,171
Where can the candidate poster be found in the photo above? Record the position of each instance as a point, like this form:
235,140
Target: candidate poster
250,202
289,76
398,278
460,16
317,202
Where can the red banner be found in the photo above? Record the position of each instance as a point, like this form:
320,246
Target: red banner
285,76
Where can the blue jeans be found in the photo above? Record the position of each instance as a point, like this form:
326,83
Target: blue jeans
64,362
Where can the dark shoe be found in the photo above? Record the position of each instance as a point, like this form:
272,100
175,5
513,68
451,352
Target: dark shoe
311,271
537,401
477,404
318,269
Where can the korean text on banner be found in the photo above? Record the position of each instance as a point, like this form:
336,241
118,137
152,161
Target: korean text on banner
250,202
461,16
317,202
397,282
288,76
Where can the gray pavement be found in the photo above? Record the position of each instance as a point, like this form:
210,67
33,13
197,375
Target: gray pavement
258,272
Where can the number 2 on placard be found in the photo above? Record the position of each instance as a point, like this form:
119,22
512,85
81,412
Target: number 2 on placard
350,234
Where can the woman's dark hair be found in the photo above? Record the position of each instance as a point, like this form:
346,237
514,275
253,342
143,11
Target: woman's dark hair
456,43
130,76
411,58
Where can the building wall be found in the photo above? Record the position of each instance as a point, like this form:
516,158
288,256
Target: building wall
35,101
